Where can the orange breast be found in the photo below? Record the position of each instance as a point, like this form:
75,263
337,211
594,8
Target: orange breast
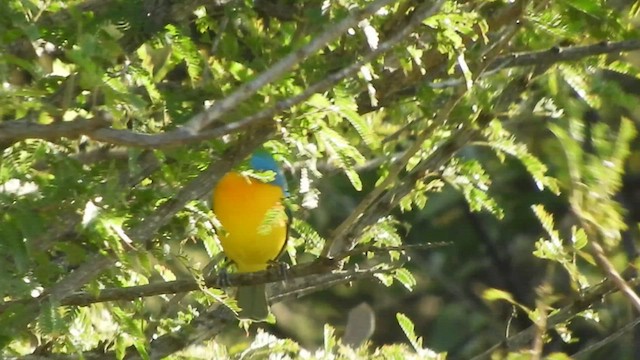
253,219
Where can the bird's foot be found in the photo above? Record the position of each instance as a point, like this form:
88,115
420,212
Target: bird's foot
223,278
281,268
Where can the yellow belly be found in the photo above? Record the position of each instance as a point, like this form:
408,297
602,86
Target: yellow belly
253,219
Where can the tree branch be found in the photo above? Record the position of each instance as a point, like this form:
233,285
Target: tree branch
14,131
280,68
545,58
11,132
319,266
213,321
312,277
84,298
180,136
562,54
196,128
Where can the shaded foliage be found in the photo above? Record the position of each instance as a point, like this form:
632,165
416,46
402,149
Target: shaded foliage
506,130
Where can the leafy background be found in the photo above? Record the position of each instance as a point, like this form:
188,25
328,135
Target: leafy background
470,167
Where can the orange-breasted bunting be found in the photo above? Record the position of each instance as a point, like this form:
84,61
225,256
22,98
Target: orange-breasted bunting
255,226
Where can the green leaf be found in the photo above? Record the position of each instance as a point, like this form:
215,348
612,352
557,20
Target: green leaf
470,178
503,142
343,154
589,7
409,331
546,219
329,337
348,108
311,239
493,294
577,79
405,278
578,238
51,319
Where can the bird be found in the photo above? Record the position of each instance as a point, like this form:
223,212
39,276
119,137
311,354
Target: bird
255,226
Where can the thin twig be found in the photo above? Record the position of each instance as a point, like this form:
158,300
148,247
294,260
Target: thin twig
582,354
588,298
287,290
612,273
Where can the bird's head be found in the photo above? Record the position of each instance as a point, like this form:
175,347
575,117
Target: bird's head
262,160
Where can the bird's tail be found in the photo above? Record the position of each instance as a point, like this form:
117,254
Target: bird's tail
252,301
